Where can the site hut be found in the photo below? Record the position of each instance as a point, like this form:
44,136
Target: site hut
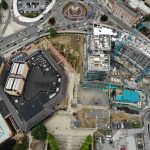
19,69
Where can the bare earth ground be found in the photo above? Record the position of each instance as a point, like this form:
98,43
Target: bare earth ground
87,120
120,116
92,97
73,44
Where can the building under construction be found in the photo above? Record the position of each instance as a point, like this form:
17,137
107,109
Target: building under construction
133,52
98,53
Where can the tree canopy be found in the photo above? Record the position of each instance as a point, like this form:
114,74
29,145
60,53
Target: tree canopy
52,142
52,32
39,132
4,4
22,145
104,18
87,143
52,21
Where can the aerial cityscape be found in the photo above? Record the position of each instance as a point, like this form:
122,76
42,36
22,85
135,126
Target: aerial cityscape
74,74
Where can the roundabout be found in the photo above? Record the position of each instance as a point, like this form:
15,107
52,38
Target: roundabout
74,11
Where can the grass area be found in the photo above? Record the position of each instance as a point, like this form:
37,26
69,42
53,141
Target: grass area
30,15
71,46
121,116
105,132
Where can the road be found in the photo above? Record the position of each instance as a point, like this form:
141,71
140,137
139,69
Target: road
146,121
34,31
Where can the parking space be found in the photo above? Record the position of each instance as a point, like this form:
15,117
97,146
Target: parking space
33,6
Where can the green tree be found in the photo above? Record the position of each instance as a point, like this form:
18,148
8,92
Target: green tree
136,124
18,147
52,32
22,145
52,142
52,21
87,143
39,132
4,4
104,18
146,18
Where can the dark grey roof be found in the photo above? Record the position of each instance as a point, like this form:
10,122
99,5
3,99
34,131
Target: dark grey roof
28,116
1,60
3,109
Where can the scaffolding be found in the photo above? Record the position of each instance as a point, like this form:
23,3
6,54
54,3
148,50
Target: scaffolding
95,86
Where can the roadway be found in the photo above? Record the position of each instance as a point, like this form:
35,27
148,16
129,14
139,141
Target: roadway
146,122
35,31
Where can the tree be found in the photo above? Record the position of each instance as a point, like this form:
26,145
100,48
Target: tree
39,132
52,21
52,32
87,143
4,4
136,124
104,18
17,146
146,18
52,142
22,145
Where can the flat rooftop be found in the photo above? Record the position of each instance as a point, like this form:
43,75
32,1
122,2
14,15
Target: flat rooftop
102,30
5,132
101,42
99,63
45,87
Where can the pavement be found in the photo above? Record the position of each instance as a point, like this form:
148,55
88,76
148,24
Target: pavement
146,119
68,138
60,125
125,137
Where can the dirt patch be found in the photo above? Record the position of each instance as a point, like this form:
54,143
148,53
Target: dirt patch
88,96
60,40
121,116
71,46
89,118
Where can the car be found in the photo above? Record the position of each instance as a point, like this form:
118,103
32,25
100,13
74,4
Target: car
60,4
41,19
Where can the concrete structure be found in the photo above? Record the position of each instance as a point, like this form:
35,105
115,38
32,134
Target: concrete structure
99,63
45,88
14,86
1,65
5,132
19,69
139,5
16,79
98,52
133,53
123,11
